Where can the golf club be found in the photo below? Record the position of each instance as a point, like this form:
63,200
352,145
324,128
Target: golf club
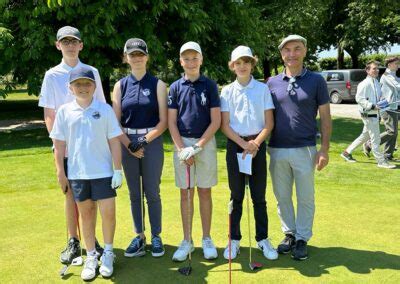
230,208
77,261
186,270
252,265
141,194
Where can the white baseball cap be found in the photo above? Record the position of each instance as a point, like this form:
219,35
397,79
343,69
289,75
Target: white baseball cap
292,38
190,45
241,51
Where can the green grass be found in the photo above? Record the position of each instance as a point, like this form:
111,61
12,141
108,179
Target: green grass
355,231
19,105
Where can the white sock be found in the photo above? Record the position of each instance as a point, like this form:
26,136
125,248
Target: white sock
108,247
91,253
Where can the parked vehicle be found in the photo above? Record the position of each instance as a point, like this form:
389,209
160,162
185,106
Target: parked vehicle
342,84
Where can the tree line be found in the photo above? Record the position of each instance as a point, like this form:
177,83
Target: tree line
28,28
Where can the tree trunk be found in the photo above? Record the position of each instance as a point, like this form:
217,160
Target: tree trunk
340,57
106,88
354,60
266,69
276,69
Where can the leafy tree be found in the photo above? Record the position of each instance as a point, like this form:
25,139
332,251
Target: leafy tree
28,49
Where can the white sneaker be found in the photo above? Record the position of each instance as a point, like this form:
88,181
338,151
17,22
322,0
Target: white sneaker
107,262
209,250
183,251
235,246
89,269
386,165
268,250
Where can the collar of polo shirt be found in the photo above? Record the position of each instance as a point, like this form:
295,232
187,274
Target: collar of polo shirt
186,81
303,72
67,67
94,104
136,80
239,86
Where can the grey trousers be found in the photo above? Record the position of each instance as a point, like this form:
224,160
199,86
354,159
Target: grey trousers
389,136
370,131
151,169
288,166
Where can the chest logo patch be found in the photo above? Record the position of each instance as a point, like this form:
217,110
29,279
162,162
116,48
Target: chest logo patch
146,92
96,115
203,99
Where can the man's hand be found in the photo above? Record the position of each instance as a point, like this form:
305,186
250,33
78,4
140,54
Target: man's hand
189,152
116,180
138,144
321,160
63,181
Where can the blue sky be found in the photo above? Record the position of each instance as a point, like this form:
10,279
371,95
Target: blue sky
395,49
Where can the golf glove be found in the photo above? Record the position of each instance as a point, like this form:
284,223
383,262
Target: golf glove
383,104
116,181
139,143
189,152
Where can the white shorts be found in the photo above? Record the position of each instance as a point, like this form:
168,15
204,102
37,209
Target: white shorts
203,173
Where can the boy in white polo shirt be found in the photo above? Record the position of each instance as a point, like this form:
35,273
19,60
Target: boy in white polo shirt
90,130
55,93
193,118
247,120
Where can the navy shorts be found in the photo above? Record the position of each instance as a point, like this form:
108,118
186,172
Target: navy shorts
94,189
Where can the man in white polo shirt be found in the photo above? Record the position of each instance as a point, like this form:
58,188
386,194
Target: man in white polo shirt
54,93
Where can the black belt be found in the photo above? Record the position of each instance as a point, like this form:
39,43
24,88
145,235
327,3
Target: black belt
250,137
369,115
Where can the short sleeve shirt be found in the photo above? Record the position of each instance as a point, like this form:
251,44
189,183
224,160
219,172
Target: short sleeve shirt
246,106
55,87
295,112
193,101
139,103
86,133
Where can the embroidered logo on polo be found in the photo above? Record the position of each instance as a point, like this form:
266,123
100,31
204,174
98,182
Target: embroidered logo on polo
96,115
203,99
146,92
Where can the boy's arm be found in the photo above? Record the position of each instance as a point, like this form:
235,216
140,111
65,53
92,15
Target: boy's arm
215,124
59,154
115,148
49,117
173,129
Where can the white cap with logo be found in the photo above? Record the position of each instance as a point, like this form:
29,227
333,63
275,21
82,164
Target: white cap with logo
241,51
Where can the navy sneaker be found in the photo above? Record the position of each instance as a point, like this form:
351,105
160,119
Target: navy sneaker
157,247
72,251
136,247
287,244
299,252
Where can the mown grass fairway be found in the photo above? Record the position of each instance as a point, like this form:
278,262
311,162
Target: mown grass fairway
355,232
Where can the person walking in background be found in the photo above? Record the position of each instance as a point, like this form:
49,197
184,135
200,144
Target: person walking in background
390,86
368,98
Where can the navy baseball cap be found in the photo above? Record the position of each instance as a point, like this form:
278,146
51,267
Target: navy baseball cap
68,31
135,44
81,73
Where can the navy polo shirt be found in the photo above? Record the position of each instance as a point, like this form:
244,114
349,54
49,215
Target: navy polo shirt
193,101
139,104
295,113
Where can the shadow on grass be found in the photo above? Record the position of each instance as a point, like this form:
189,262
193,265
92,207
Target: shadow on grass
20,109
321,259
15,140
147,269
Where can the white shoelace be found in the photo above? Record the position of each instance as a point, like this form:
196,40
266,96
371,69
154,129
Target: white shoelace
208,243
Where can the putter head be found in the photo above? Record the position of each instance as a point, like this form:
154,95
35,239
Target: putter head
255,265
63,270
185,270
77,261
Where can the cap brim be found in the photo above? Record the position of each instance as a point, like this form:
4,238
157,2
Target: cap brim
135,49
186,49
83,77
68,36
241,56
283,43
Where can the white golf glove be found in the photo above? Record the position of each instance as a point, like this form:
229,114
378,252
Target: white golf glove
116,181
189,152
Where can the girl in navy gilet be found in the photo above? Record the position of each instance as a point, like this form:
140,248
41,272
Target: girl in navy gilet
140,103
